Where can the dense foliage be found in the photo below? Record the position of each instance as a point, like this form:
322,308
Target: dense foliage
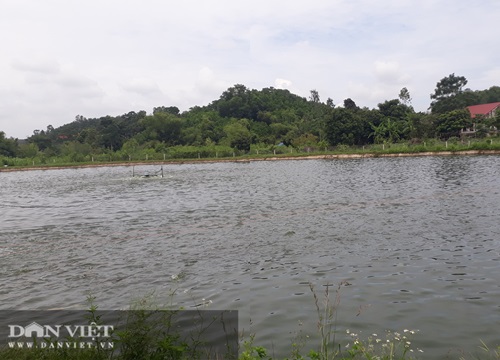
242,118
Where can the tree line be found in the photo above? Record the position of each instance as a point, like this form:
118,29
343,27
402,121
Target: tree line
243,117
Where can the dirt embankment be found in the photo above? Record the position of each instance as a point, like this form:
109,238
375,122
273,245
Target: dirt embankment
246,160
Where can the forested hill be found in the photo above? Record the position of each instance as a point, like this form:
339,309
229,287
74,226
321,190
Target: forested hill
244,117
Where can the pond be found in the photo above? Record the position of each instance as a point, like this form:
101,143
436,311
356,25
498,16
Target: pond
415,242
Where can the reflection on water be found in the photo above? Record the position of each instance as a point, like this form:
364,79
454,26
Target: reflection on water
417,239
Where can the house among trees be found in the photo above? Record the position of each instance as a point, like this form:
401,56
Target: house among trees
485,110
480,113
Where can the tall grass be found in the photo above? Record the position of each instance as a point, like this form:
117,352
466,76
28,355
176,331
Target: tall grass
141,339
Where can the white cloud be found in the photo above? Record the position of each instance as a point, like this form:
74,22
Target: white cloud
141,86
282,83
43,66
389,72
97,58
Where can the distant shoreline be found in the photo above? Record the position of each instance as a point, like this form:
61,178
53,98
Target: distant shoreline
246,160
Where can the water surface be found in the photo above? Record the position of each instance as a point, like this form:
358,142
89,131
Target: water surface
416,239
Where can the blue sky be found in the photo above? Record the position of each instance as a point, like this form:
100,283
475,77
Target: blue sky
94,58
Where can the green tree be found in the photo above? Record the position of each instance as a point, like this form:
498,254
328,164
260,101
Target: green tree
131,147
449,124
41,139
164,127
345,126
314,97
496,120
236,102
174,110
488,96
394,109
110,134
76,151
387,131
446,96
278,130
28,150
350,104
404,96
89,136
238,135
449,86
305,140
8,147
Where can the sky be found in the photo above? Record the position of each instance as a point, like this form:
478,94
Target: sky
62,58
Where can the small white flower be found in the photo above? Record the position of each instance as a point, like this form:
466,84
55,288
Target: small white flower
175,277
406,330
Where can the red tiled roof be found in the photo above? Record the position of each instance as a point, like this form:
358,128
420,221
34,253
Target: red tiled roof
483,109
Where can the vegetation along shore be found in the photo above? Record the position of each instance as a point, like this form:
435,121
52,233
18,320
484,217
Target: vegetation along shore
248,159
256,124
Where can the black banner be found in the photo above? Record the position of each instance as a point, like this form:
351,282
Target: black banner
193,334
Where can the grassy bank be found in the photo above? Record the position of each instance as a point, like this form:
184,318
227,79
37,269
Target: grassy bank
181,155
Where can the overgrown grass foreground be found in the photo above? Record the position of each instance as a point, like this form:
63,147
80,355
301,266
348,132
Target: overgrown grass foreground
140,340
